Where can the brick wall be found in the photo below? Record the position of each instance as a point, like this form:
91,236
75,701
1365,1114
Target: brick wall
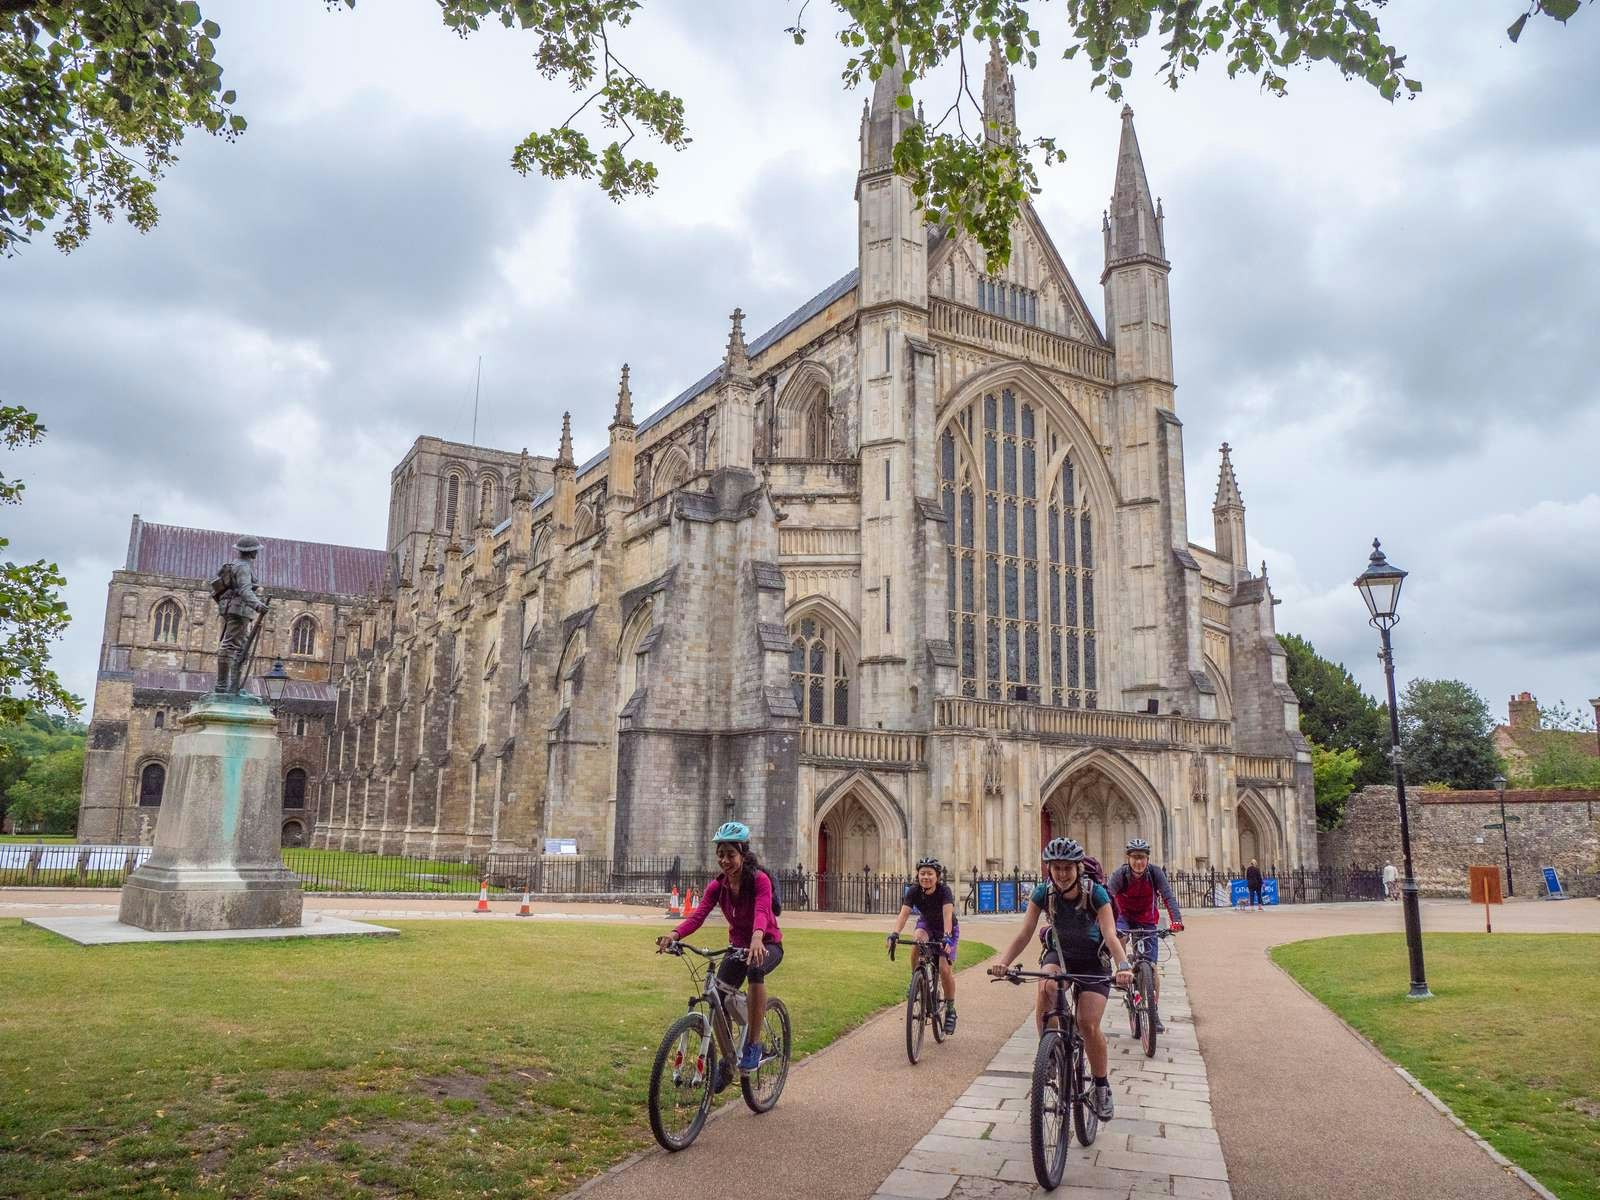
1559,828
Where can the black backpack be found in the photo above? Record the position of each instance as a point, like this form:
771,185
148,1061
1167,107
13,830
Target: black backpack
777,892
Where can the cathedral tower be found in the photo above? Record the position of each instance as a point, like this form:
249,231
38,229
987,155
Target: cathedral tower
901,577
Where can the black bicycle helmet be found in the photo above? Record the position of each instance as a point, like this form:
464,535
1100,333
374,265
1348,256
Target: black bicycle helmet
1063,849
1138,845
929,861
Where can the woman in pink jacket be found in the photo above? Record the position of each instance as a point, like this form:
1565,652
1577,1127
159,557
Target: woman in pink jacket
744,894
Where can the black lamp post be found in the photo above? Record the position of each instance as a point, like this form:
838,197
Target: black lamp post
275,681
1505,831
1380,588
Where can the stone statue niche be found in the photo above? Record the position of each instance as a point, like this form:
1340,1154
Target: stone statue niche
216,862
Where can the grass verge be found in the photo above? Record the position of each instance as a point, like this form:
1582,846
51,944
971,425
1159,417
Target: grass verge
503,1059
1509,1042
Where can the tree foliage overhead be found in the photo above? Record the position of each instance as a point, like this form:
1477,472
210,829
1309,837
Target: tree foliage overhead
1336,714
96,95
1445,729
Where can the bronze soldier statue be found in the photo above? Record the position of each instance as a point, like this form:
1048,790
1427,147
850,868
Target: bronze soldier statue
234,590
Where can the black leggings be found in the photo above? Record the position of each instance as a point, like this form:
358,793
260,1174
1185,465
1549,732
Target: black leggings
733,971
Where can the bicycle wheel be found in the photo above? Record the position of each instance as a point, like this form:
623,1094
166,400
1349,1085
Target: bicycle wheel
681,1080
1084,1118
1145,978
1048,1100
936,1008
916,1017
764,1085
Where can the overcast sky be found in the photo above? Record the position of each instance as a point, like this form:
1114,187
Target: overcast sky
1389,311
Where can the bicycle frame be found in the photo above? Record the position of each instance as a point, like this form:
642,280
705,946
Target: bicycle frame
712,994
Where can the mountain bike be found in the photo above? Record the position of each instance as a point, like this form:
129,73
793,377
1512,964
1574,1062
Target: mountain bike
924,1001
1062,1081
1140,999
699,1045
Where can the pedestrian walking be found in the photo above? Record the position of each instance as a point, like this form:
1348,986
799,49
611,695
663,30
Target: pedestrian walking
1391,882
1252,880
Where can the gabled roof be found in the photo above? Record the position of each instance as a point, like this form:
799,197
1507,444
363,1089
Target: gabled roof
302,566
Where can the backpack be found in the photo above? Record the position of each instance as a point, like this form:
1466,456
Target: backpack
1091,867
777,892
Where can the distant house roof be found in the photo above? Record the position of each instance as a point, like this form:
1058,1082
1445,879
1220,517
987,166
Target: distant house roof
835,290
303,566
195,683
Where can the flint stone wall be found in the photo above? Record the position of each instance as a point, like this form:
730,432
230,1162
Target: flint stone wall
1559,828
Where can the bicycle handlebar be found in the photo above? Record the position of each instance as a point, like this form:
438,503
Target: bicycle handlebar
1017,975
677,949
895,939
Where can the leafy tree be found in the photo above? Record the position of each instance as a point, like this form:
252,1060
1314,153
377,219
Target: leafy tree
1334,773
95,97
38,734
1335,713
1568,720
32,613
47,795
1445,731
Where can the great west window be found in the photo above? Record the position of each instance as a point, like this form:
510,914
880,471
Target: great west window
1020,578
1008,300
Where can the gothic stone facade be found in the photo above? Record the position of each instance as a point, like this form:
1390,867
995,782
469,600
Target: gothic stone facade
909,573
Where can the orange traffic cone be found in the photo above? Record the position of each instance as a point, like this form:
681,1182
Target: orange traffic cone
483,896
688,904
524,911
674,907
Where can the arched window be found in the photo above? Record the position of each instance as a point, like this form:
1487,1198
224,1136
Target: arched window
672,468
294,788
304,638
814,427
161,718
452,501
630,663
487,499
299,727
805,412
819,671
1022,620
583,523
571,660
165,621
152,782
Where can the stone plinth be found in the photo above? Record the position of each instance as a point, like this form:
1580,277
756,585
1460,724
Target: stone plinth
216,863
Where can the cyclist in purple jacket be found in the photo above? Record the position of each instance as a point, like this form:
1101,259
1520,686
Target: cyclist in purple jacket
1135,887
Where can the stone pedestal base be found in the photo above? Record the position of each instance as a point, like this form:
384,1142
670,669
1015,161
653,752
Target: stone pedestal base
216,863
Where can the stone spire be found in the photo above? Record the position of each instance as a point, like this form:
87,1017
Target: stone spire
523,491
883,120
564,455
428,563
405,570
1227,482
624,414
999,97
1133,228
736,363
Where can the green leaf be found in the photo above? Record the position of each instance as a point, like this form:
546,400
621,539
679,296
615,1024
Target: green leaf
237,123
1515,31
904,100
1122,69
189,13
229,96
213,30
1559,9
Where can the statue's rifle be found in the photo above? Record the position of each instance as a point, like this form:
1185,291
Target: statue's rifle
250,642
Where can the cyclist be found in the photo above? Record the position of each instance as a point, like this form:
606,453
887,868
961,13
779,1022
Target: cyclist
1081,929
935,906
744,894
1135,886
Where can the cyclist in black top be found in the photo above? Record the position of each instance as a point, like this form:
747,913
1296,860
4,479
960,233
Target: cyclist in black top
935,906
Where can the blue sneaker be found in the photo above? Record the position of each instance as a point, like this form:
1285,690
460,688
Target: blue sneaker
751,1058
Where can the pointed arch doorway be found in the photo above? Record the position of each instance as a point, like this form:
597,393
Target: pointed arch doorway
1101,810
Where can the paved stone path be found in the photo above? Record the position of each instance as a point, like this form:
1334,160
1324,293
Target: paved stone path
1162,1142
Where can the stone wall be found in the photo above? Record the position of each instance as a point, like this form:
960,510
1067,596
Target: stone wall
1559,828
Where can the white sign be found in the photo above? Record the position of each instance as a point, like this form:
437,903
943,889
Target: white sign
561,845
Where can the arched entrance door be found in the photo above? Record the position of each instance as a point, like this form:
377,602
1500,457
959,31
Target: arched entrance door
1096,810
1258,833
850,840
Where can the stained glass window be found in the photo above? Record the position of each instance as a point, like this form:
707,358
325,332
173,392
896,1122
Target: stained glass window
819,673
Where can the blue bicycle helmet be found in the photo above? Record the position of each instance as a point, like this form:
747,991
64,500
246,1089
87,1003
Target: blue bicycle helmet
731,831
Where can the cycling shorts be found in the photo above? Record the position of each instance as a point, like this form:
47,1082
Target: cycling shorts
950,947
1094,966
732,971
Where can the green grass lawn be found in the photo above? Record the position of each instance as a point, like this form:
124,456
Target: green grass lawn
502,1059
1511,1040
34,839
346,871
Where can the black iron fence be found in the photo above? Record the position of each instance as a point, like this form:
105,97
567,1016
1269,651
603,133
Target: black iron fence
653,879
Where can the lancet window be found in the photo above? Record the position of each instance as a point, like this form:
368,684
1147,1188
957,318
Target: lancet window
819,671
1020,567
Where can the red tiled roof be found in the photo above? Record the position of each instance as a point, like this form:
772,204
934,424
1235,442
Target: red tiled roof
303,566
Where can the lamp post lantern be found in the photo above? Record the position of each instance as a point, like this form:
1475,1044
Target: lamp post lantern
1379,585
275,681
1505,831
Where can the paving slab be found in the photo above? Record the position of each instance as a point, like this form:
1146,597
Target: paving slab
106,930
1159,1139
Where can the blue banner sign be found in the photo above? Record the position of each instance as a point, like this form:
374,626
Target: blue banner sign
986,895
1239,892
1553,885
1008,895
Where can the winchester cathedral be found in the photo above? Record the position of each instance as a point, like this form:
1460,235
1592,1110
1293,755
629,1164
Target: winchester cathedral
908,573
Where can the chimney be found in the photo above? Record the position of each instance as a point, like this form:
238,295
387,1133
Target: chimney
1523,713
